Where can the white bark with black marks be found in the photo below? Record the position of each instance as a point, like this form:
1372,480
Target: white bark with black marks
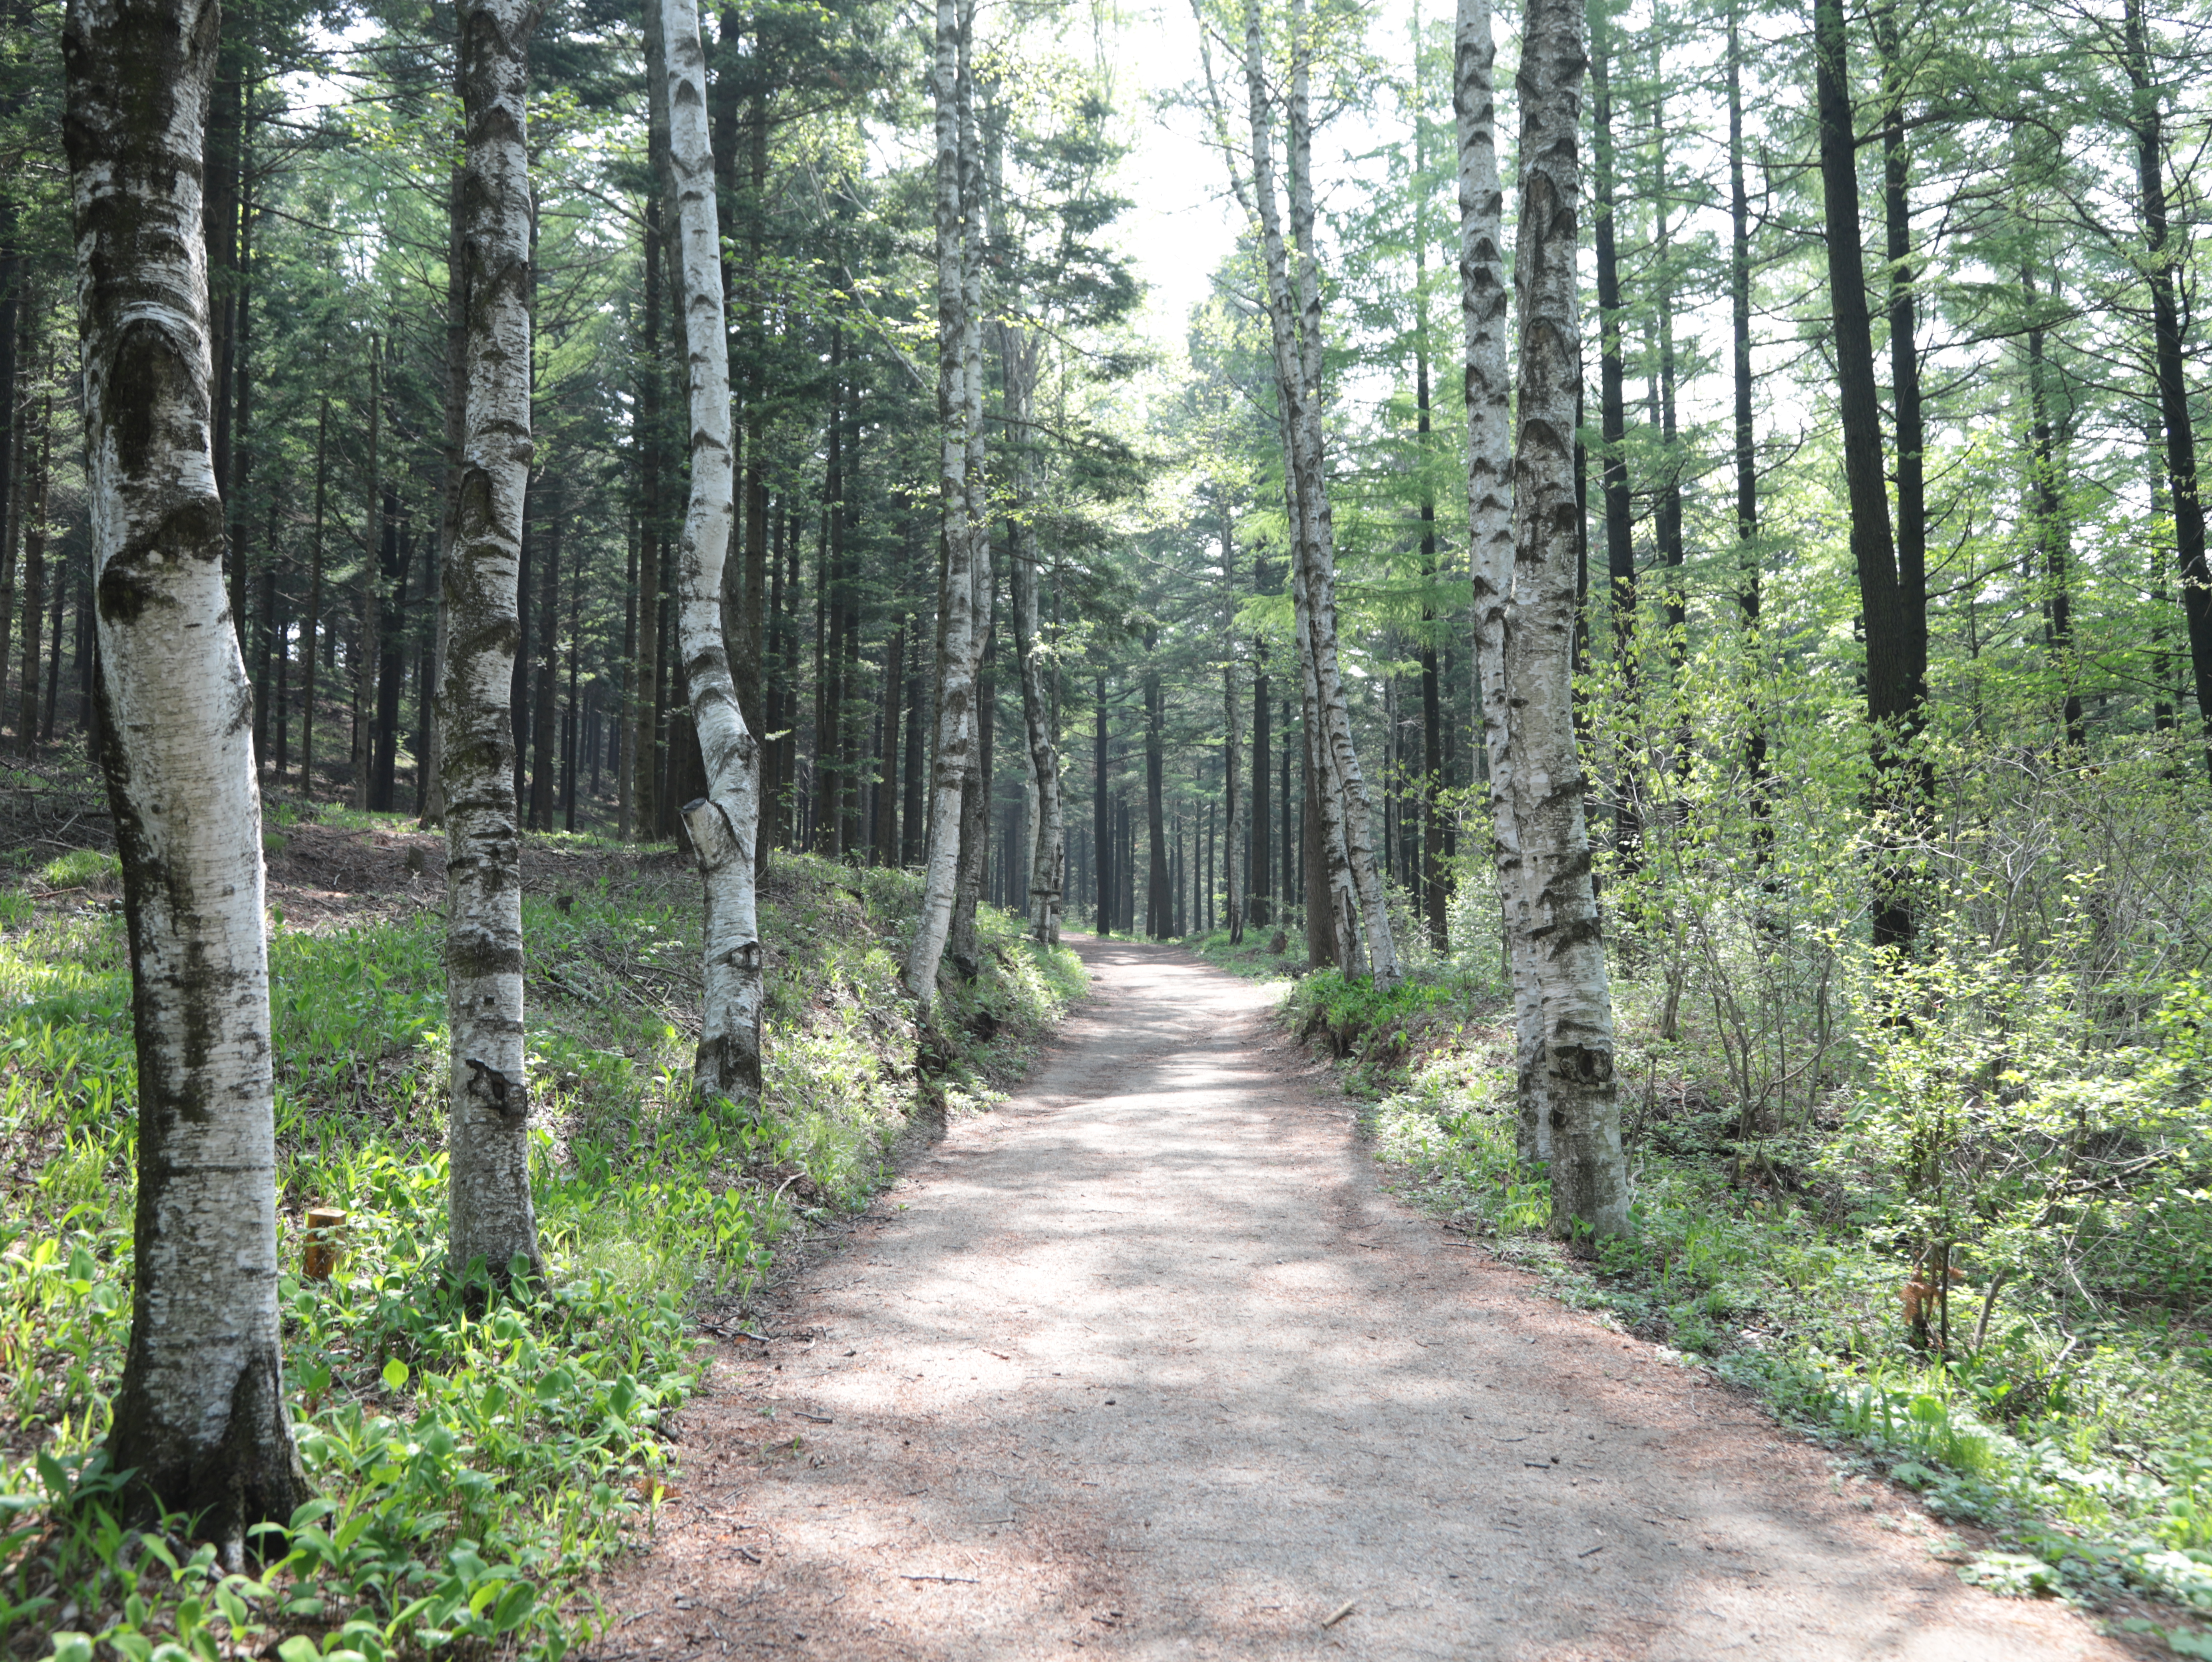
1484,312
724,824
1020,354
1589,1178
200,1416
956,633
488,1102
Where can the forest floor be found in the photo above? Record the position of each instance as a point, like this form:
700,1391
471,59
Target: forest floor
1146,1364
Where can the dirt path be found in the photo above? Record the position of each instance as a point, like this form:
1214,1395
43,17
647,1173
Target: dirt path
1145,1365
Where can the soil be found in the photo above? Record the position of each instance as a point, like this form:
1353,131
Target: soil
1146,1364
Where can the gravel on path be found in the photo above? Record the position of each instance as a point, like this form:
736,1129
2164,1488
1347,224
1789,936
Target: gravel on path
1146,1365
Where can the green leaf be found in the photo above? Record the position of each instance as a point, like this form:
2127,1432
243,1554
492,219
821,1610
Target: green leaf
395,1375
72,1647
298,1648
513,1608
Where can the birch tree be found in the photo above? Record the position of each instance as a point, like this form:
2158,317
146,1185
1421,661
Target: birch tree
956,631
1483,311
1020,354
488,1098
1572,1057
1232,735
723,825
200,1419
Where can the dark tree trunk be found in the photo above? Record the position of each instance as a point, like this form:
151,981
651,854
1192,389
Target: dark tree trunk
397,563
1259,905
1895,694
310,625
2181,481
1102,824
1159,916
645,743
34,584
1746,460
544,724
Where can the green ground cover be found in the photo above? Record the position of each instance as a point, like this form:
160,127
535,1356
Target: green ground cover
474,1463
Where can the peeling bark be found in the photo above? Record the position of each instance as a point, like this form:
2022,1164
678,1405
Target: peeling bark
488,1099
200,1416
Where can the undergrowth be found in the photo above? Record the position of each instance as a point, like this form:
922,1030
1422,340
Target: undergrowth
2074,1420
475,1457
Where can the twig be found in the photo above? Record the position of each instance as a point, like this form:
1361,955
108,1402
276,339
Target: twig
1339,1613
970,1580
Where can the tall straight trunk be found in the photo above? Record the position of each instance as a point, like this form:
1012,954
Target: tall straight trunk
312,623
829,711
264,640
957,737
912,819
1232,731
488,1099
544,729
1336,759
368,592
1101,825
1259,904
2183,488
1046,875
13,450
2047,514
1159,902
723,823
219,217
1484,313
34,584
1622,596
625,712
1589,1177
887,750
54,652
960,945
975,791
1904,358
1332,929
1667,511
1747,458
233,485
397,566
852,722
1428,881
429,767
645,744
200,1419
1894,695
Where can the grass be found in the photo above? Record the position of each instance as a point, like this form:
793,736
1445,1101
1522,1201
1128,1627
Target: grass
2082,1433
475,1460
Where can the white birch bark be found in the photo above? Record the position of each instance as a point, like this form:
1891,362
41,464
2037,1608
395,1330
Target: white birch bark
955,654
488,1098
724,824
1047,842
200,1415
1589,1178
1358,812
974,230
1483,309
1290,392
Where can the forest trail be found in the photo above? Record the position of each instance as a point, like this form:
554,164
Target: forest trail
1145,1365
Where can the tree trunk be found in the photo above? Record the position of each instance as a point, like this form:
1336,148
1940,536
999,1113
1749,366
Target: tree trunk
645,745
487,1136
2174,404
1232,729
957,631
1746,461
1589,1178
2047,514
544,730
1259,905
1102,839
1893,694
368,649
200,1416
34,584
1484,313
1621,588
724,822
311,626
1159,903
1047,874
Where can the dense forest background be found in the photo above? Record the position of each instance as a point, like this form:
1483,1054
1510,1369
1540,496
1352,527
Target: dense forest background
1893,670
